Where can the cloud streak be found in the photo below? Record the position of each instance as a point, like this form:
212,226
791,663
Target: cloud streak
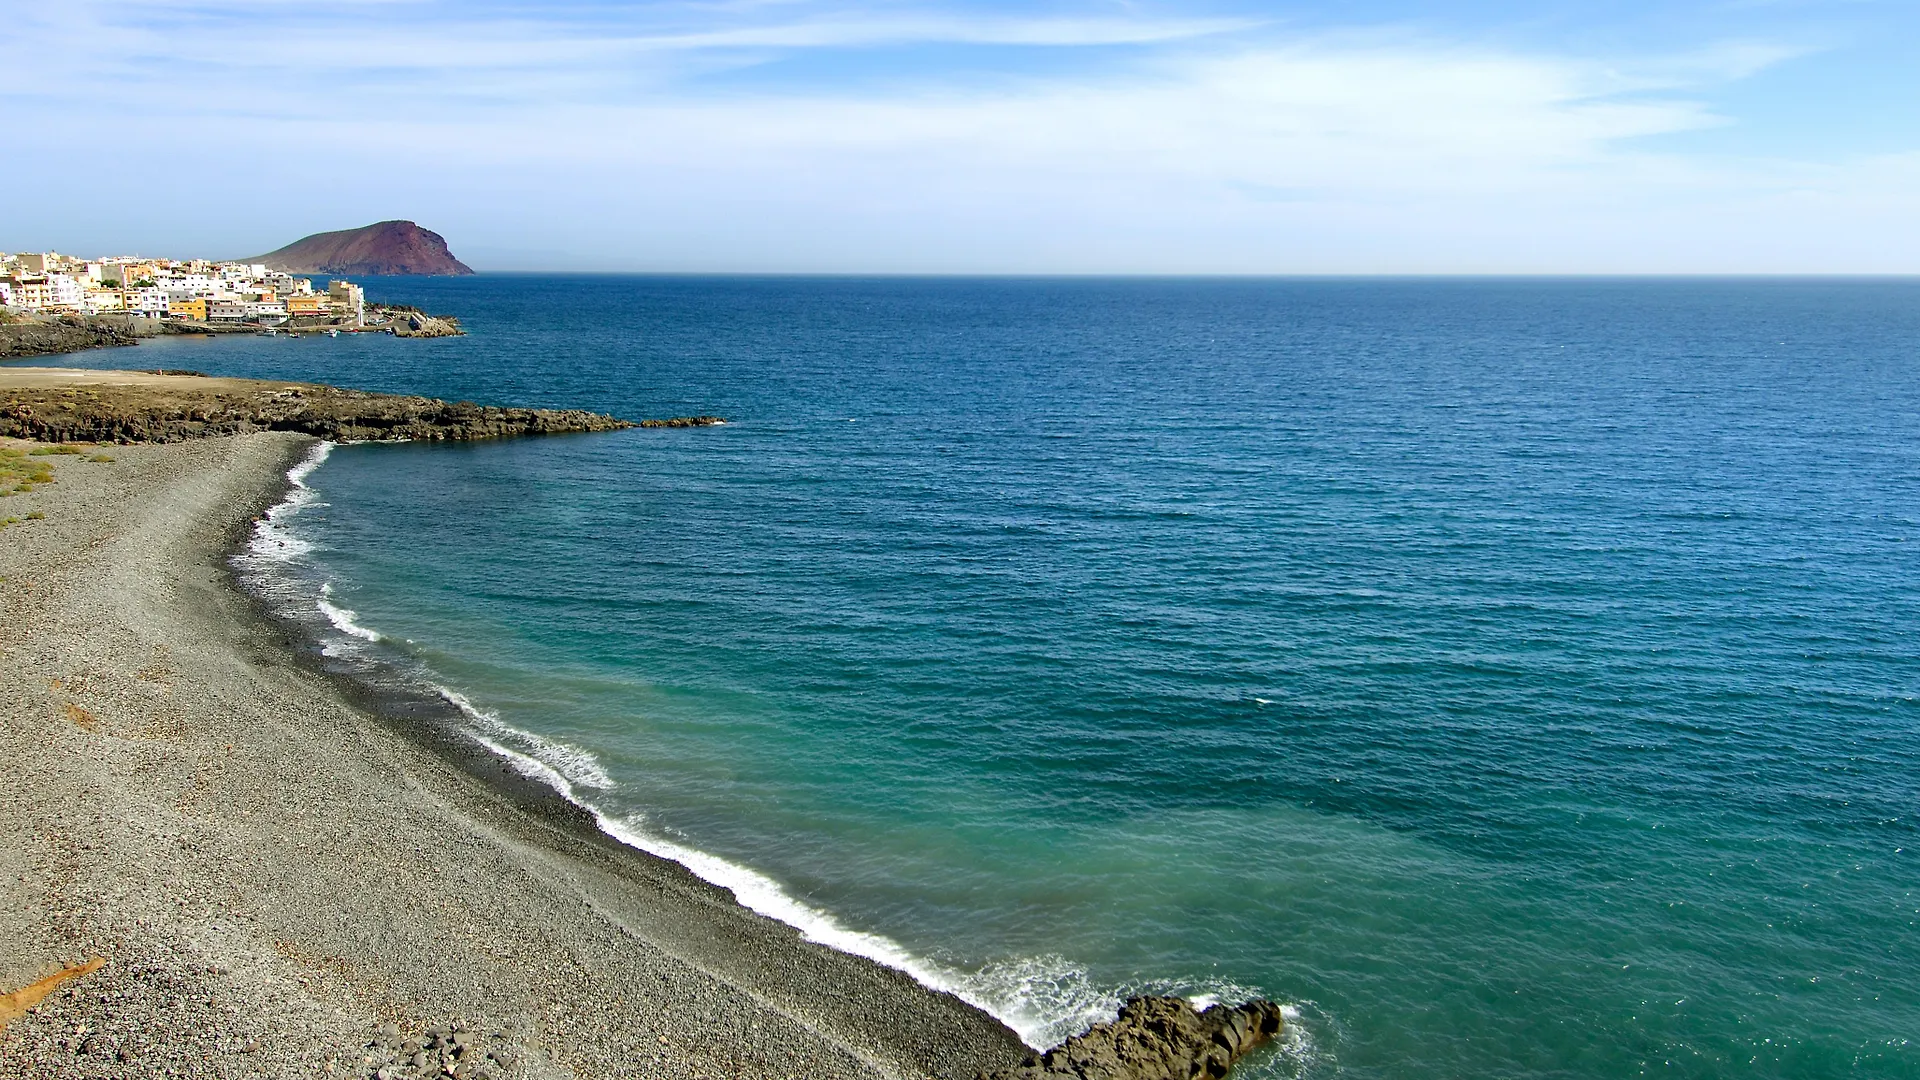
1100,143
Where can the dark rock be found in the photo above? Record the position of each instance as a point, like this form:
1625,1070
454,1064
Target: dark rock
412,322
684,421
1155,1038
197,408
54,336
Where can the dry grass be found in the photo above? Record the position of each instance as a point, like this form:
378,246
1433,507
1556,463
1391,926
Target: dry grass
19,472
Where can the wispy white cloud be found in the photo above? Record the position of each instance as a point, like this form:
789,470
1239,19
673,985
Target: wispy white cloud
1201,145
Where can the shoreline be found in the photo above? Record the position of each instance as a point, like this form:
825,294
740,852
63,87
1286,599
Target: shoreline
440,720
41,334
97,405
348,873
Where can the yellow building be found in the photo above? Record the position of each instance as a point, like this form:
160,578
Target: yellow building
188,309
306,305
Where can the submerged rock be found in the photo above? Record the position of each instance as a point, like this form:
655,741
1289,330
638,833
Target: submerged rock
1155,1038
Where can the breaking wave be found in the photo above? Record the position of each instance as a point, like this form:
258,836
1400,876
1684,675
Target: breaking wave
1043,999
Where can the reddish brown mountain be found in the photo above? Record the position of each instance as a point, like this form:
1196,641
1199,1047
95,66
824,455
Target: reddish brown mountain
391,247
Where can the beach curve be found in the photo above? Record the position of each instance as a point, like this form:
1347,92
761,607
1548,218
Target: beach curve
280,878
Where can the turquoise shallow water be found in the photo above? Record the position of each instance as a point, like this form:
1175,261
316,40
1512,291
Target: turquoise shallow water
1518,678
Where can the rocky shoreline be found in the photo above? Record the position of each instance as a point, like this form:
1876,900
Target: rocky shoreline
1156,1038
76,405
53,335
56,336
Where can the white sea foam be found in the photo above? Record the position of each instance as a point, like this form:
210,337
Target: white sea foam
343,620
572,764
1043,999
299,473
272,539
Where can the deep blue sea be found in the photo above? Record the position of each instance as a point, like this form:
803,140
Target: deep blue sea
1516,678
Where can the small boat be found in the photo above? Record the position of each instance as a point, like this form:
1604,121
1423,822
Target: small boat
333,333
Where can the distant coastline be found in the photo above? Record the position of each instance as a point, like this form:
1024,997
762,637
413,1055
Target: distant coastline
25,336
265,293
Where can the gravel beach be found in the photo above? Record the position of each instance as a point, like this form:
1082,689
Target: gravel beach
283,882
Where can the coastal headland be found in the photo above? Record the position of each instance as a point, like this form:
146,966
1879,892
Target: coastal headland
79,405
21,338
220,859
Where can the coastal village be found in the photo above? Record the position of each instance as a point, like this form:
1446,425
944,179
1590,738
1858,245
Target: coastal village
197,292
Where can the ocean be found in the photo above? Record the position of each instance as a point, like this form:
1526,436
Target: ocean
1515,678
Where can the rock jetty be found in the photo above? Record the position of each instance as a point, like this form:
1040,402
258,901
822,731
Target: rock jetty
69,405
412,322
1155,1038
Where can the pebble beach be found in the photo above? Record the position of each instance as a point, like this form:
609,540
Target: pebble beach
283,880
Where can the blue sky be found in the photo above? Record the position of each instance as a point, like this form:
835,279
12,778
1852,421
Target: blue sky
1769,136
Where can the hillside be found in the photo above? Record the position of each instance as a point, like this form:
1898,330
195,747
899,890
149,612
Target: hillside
390,247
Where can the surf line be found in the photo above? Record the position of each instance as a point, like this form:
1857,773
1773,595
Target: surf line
1005,991
752,889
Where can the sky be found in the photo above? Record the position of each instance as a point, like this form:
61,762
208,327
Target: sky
920,136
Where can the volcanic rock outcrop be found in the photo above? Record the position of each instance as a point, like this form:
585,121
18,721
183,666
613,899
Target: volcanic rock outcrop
388,247
1155,1038
420,324
56,405
46,337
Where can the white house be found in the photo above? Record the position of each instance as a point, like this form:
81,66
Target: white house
64,292
149,301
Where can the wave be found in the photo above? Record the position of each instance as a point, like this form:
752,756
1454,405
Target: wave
572,765
344,619
272,541
1043,999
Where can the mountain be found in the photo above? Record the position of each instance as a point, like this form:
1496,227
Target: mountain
390,247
